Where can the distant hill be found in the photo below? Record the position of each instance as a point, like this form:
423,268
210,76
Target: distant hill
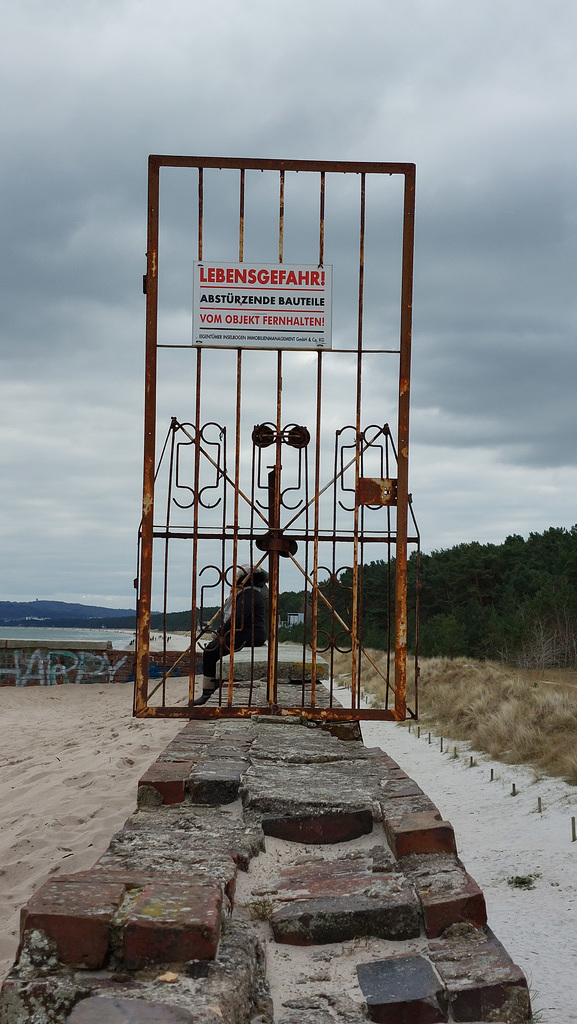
61,614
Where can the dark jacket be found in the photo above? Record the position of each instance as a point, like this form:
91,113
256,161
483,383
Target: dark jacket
250,619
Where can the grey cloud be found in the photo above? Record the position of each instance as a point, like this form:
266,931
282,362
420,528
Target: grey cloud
480,95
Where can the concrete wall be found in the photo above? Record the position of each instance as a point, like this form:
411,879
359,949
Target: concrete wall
51,664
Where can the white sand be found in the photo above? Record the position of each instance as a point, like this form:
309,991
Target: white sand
71,757
70,760
500,836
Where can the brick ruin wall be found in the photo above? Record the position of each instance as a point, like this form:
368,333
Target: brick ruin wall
167,926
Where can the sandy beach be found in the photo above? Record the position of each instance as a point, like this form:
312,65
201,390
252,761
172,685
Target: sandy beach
71,757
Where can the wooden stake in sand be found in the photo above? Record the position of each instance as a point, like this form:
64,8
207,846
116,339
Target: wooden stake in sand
573,831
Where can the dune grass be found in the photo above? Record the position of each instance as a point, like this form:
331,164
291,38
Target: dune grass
515,716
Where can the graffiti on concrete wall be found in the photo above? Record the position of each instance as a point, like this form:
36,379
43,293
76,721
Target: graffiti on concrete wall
42,667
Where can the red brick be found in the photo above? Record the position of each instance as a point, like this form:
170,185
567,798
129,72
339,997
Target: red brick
319,829
464,904
323,878
448,895
481,980
173,921
420,832
169,778
76,915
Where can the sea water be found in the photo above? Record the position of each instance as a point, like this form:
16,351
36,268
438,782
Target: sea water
34,635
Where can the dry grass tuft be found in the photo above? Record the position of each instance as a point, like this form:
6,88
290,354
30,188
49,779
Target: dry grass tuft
510,714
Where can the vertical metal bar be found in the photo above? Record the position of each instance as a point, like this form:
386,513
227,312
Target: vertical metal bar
166,563
315,597
145,592
316,530
355,683
389,576
195,514
417,604
235,521
241,219
200,211
281,219
403,446
274,526
322,222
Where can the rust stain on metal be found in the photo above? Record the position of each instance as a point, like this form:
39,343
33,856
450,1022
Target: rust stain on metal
377,491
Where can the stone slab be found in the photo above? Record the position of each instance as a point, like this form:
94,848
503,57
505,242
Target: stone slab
310,789
204,827
284,743
403,990
216,781
385,908
253,663
170,854
29,644
173,922
104,1010
76,916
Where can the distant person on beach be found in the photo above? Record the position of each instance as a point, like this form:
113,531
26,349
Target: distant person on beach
249,625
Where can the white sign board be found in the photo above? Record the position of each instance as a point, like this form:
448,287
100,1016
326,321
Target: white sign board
261,305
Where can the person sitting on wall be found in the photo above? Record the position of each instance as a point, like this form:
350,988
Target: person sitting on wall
249,626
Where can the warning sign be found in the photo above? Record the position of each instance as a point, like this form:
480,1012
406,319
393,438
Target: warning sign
261,305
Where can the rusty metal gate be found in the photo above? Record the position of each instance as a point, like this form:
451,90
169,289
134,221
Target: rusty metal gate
276,444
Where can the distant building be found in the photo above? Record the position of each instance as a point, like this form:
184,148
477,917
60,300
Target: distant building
294,619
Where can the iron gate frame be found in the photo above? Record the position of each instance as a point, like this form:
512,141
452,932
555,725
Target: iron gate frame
397,489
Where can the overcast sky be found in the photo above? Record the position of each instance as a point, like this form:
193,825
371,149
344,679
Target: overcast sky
480,94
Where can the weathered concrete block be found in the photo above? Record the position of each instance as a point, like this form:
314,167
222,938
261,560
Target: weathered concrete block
173,921
447,893
482,982
397,788
45,999
106,1010
292,662
168,854
168,778
216,781
206,826
318,829
314,788
403,990
384,909
76,914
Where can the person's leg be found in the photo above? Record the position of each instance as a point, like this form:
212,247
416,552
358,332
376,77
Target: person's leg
211,657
